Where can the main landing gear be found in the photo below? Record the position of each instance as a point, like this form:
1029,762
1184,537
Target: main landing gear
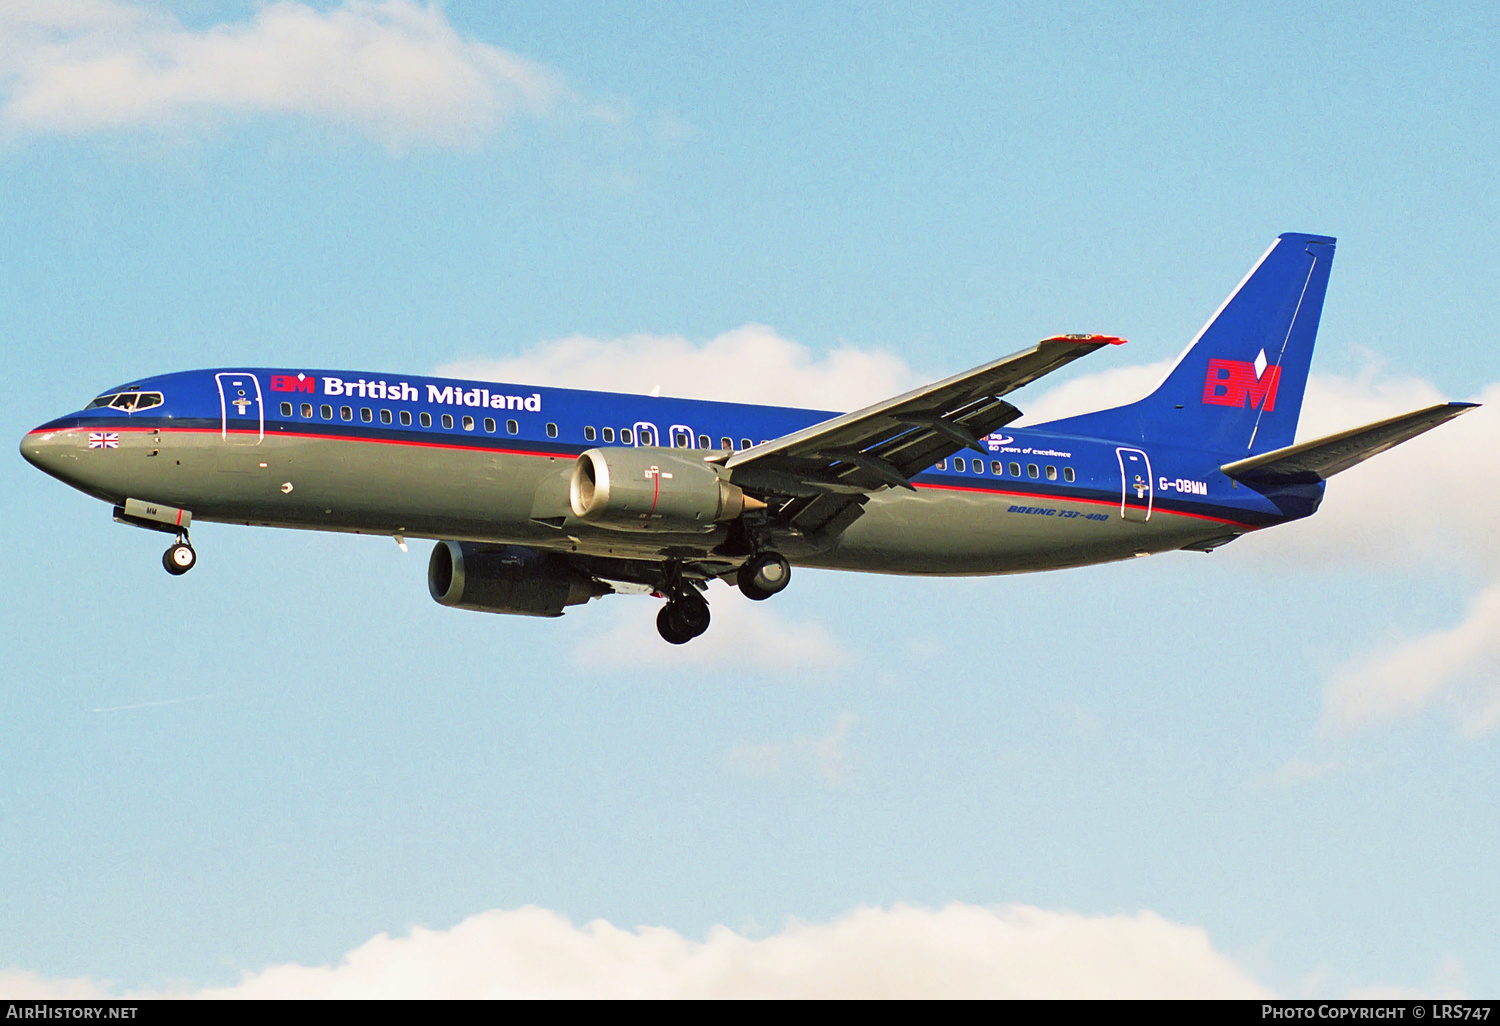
764,575
180,558
685,616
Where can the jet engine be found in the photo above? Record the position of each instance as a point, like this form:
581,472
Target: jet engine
506,579
656,489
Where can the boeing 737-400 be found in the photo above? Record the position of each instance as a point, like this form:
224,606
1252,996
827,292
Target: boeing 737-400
543,498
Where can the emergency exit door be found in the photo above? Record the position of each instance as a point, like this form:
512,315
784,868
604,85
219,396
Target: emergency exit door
242,416
1135,484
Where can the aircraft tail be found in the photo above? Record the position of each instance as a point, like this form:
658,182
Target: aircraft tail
1238,387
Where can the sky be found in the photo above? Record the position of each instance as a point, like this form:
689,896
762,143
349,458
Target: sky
1267,770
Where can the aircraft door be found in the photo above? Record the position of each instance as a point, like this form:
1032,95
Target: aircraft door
242,414
1135,484
645,433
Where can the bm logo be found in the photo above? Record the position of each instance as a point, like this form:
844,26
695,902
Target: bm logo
1236,382
287,383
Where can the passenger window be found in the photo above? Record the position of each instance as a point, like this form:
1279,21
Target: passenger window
727,444
942,464
979,466
327,412
1015,470
365,414
346,413
406,418
959,464
512,427
286,409
744,443
468,423
588,434
489,424
385,416
307,411
551,430
448,421
682,441
704,442
1031,470
426,420
1051,473
626,437
1068,474
997,468
609,434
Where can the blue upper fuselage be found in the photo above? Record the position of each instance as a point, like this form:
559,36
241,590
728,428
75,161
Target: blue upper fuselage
1018,463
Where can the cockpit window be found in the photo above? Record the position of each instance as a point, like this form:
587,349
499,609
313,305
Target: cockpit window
130,402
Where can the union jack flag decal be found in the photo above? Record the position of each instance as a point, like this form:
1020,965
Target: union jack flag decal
104,439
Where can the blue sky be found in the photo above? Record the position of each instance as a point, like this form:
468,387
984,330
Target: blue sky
1281,755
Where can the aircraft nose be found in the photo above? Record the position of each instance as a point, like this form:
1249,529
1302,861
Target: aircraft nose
50,452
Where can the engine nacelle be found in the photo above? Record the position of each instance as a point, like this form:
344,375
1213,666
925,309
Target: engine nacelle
653,489
506,579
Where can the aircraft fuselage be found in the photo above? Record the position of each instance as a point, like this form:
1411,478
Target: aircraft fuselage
490,463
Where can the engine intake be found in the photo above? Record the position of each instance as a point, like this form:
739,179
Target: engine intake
506,579
653,489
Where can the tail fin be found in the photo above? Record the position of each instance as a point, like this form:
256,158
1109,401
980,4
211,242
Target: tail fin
1237,389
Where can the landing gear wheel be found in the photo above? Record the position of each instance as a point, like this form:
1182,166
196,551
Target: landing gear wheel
764,575
683,618
179,559
669,631
689,613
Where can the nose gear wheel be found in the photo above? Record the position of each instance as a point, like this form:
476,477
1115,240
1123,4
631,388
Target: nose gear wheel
179,559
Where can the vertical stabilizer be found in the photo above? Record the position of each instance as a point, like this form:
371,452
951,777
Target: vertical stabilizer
1238,387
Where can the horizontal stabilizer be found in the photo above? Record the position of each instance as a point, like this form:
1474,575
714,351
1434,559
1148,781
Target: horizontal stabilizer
1321,458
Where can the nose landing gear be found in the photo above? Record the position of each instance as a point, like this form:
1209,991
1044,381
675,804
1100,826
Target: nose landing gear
180,558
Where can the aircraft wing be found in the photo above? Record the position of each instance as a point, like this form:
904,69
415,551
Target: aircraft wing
1321,458
817,478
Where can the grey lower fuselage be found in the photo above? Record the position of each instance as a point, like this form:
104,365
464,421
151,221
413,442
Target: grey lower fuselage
948,525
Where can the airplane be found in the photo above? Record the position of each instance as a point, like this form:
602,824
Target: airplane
544,498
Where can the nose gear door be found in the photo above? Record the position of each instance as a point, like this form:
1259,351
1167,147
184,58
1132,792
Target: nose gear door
241,409
1135,484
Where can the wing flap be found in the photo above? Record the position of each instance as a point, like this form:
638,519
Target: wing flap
1321,458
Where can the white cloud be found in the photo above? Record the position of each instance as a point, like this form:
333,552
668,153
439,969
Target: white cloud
1298,770
1459,666
899,952
750,364
1102,390
743,634
1428,503
395,70
823,756
23,985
